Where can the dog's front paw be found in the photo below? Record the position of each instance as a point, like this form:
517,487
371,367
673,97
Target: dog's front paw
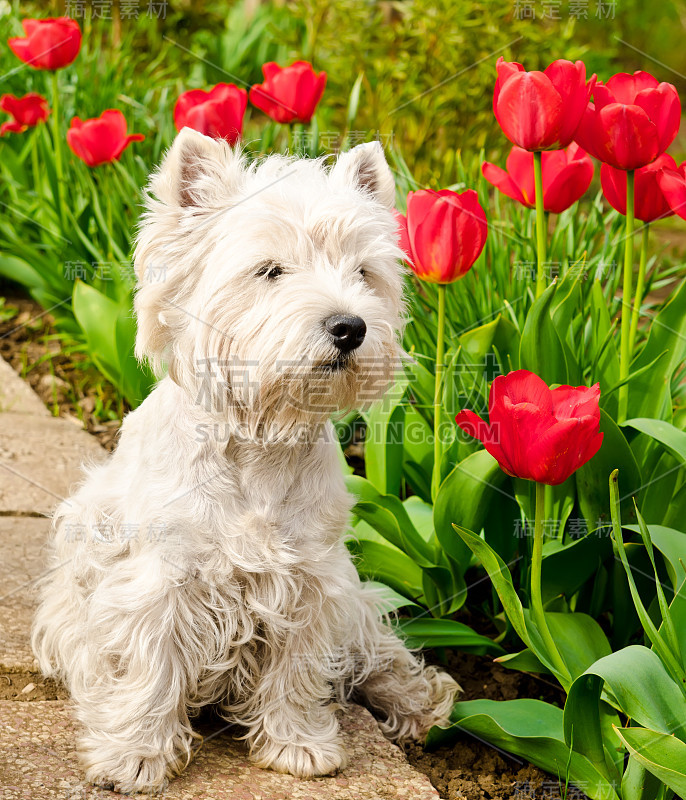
129,772
303,761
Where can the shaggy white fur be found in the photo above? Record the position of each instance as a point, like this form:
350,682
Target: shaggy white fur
204,562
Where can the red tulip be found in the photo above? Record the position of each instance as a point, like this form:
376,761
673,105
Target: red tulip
567,174
289,94
100,140
536,433
446,233
541,110
649,201
49,43
673,186
218,113
632,120
27,111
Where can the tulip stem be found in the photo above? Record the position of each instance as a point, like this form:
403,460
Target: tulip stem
638,297
540,223
625,345
57,144
537,613
440,354
34,159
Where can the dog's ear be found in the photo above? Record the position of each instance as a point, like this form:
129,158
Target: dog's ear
198,177
365,167
197,172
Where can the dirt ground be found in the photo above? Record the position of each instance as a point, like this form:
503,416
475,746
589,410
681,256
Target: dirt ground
68,386
474,770
469,769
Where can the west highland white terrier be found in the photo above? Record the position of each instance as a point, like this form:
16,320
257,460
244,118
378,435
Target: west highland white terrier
204,562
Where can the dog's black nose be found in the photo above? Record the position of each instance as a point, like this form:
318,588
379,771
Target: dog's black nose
346,330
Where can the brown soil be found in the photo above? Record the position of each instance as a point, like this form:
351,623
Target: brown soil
474,770
28,686
470,769
68,384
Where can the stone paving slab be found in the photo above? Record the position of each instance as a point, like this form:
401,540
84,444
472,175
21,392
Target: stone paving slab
38,762
22,544
16,396
40,460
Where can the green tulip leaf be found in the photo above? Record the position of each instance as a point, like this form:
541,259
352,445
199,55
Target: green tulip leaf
661,754
501,579
650,392
566,567
541,350
664,432
627,674
380,562
384,440
464,498
428,632
591,478
98,315
389,599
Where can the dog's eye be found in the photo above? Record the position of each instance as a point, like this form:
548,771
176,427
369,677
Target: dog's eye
363,273
269,270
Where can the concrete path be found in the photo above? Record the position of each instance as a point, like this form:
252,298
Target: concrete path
40,459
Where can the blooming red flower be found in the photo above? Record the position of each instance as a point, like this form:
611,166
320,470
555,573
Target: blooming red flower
27,111
443,234
672,183
537,433
289,94
649,200
567,174
541,110
631,120
218,113
100,140
49,43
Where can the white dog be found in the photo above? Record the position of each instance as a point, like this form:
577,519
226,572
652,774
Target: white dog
204,562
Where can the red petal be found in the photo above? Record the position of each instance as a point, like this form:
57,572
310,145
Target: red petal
555,453
473,425
520,386
629,138
21,49
522,431
613,184
403,236
673,186
625,87
576,401
664,109
520,165
503,182
434,244
530,111
504,71
418,206
567,184
602,96
569,80
270,70
12,127
185,103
